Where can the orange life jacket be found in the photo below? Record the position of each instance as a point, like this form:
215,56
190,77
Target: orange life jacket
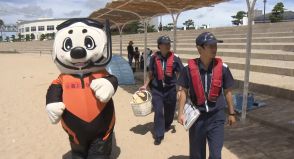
79,98
215,85
169,66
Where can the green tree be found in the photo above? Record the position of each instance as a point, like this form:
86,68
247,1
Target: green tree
168,27
151,28
19,36
237,19
53,35
28,37
189,23
42,37
13,38
277,13
7,38
132,28
1,38
33,36
1,27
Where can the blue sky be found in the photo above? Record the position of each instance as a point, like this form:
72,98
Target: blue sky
219,15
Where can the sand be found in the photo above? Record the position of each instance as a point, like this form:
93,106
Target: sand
26,132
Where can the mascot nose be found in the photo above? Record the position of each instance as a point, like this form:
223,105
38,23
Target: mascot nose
78,53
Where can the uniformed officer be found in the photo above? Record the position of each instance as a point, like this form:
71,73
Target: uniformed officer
164,69
208,82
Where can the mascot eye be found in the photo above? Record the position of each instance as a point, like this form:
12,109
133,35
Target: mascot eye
89,43
67,44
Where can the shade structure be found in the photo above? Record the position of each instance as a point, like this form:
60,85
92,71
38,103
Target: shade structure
121,12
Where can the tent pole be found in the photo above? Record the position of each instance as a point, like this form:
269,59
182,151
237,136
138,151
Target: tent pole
120,39
175,21
250,5
145,48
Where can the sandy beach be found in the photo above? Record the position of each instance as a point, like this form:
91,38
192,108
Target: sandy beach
26,132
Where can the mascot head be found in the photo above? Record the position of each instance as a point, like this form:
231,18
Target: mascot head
82,46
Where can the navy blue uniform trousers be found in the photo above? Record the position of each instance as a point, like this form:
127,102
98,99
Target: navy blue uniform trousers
164,105
208,127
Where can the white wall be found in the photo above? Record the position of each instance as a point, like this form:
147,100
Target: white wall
38,33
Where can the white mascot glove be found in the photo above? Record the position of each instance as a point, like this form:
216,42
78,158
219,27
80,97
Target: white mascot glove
55,111
103,89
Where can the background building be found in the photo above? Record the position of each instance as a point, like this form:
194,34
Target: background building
38,28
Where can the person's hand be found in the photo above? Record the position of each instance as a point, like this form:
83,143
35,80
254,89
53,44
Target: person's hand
231,120
178,95
55,111
143,88
181,118
103,89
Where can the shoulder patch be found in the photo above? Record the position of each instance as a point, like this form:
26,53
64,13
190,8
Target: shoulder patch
225,65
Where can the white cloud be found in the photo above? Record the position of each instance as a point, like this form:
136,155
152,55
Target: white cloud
95,4
220,15
74,13
28,11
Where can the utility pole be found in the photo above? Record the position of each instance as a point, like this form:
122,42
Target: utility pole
264,2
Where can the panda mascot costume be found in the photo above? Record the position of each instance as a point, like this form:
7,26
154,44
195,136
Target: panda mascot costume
81,97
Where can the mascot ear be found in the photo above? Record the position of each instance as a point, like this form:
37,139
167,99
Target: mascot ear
108,54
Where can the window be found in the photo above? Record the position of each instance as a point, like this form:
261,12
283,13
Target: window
19,30
41,28
50,27
33,28
22,30
27,29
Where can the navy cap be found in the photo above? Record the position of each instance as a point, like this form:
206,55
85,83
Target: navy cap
207,38
164,40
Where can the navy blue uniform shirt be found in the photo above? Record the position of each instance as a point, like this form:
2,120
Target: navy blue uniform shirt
168,81
227,82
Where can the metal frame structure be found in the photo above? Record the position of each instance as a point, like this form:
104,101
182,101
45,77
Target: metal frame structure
156,8
250,6
122,12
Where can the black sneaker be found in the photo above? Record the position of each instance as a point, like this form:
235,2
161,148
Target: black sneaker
158,140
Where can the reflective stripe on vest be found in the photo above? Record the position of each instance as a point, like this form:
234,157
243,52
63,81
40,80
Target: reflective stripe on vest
160,69
215,84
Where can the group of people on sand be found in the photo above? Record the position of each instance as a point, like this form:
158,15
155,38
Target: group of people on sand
134,54
81,96
206,81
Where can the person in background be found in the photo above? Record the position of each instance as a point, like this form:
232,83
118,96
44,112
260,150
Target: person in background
137,57
149,53
142,61
130,52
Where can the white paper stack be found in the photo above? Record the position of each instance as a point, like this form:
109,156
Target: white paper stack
191,114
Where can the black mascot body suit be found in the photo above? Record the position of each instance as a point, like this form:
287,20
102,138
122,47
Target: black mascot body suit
81,97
